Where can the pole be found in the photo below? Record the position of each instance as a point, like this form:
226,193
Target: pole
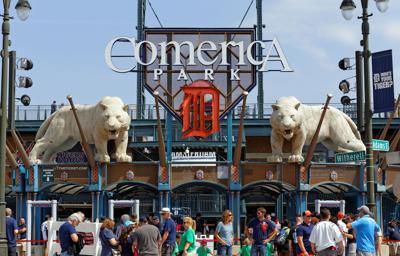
21,149
141,10
260,80
368,112
360,92
314,139
11,90
85,145
161,144
238,148
3,126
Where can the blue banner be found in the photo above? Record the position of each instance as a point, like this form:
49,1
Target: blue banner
383,85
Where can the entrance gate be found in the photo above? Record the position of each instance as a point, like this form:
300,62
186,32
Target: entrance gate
44,204
133,204
330,204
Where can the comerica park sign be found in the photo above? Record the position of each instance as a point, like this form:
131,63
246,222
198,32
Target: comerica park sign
207,53
200,74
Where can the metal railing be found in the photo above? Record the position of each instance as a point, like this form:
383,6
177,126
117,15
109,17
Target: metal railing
41,112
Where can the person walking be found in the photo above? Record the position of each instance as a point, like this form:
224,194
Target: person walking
292,235
303,233
187,244
22,236
224,234
351,238
168,233
44,229
325,236
147,239
108,239
393,235
263,232
282,241
11,233
68,235
342,227
124,218
53,107
366,231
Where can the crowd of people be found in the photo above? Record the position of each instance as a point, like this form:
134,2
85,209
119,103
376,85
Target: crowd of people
312,234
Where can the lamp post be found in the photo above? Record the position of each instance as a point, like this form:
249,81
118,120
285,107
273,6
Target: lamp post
23,8
347,8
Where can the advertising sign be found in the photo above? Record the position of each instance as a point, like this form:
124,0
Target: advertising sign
383,86
176,57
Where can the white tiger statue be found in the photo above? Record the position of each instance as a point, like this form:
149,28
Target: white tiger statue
104,121
295,122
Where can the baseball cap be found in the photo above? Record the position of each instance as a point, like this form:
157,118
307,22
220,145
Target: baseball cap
364,209
142,219
203,242
307,213
165,210
128,222
340,215
155,218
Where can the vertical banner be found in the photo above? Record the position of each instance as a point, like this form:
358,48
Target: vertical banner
383,86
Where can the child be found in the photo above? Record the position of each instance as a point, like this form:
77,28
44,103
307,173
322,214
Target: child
178,239
246,248
203,250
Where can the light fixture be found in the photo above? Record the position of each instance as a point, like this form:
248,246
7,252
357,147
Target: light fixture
345,100
347,8
25,100
382,5
23,9
344,86
344,64
25,82
25,64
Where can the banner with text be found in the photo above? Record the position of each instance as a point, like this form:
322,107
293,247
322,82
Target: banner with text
383,86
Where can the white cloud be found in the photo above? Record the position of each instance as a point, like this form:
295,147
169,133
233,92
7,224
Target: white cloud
391,30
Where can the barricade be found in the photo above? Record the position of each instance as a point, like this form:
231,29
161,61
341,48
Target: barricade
208,238
94,249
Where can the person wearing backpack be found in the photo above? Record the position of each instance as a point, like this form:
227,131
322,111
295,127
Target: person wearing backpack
282,241
68,235
292,238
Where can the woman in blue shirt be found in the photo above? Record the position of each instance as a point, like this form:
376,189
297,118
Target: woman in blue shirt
107,237
224,234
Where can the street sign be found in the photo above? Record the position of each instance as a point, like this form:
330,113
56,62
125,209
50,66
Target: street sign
48,176
349,157
380,145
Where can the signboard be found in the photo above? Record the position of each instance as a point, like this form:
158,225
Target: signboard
194,158
380,145
383,86
48,176
350,157
174,57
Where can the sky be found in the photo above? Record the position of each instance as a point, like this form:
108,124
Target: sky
66,41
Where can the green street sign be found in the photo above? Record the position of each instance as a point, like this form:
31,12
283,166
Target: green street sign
349,157
48,176
380,145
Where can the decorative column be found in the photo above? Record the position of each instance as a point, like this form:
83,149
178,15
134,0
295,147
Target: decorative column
95,188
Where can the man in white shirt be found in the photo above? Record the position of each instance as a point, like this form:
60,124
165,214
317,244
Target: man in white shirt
325,236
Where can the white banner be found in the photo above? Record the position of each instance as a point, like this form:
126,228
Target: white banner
194,159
